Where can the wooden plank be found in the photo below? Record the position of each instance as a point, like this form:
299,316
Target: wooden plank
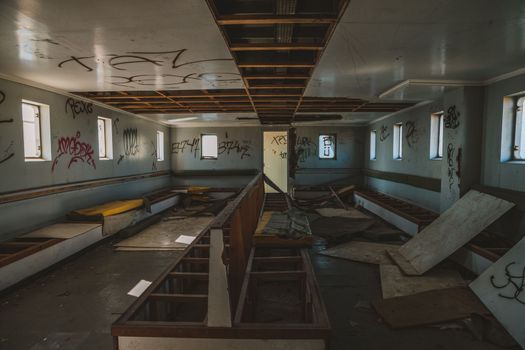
178,298
276,64
219,310
269,20
501,288
426,183
63,230
470,215
164,234
275,47
190,275
395,284
371,253
437,306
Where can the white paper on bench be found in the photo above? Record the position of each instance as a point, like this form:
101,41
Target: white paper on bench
139,288
185,239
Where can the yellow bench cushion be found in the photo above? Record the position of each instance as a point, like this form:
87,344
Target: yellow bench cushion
111,208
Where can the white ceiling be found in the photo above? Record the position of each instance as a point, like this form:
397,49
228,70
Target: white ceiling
380,43
118,45
132,45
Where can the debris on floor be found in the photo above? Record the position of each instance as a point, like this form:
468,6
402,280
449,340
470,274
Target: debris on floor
395,284
371,253
431,307
449,232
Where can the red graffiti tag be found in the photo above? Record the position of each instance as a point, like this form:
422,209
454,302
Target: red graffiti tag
79,151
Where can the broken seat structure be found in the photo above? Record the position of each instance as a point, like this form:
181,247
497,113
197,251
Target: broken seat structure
225,292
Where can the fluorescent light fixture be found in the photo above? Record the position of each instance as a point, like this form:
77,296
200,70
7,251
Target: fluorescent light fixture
182,119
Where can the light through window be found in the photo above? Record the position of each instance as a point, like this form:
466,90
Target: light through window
327,146
519,132
209,146
398,141
31,117
436,135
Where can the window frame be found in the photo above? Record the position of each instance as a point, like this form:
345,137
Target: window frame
160,146
203,157
39,133
436,140
334,135
518,129
108,138
373,134
397,141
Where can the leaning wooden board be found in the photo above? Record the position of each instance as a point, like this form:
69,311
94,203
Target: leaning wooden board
450,231
501,288
430,307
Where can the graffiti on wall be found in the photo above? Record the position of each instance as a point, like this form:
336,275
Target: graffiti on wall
77,107
8,152
187,145
279,140
116,121
242,149
154,156
412,134
383,133
328,146
450,163
77,150
452,118
131,141
513,280
172,60
305,148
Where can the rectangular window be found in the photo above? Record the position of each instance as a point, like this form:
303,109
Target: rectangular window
519,130
105,141
327,144
373,138
209,146
31,117
398,141
436,135
160,146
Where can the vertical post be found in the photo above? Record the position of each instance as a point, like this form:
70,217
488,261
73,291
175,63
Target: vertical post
219,311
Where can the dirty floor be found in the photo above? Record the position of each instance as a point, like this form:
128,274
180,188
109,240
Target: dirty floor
73,305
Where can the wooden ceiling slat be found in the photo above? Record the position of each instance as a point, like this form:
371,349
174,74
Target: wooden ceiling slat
270,20
275,47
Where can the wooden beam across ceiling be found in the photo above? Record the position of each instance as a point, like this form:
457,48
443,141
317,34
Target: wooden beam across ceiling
268,20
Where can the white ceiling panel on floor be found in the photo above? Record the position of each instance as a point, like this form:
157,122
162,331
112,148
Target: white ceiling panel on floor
380,43
115,45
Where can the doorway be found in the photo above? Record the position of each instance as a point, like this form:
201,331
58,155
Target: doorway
275,159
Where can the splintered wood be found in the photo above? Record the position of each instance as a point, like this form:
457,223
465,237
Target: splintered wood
371,253
450,231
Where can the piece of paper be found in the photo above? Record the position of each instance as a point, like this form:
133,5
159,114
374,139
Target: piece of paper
185,239
139,288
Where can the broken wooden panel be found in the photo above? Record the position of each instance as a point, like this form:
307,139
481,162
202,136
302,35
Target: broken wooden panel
371,253
430,307
501,289
395,284
454,228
